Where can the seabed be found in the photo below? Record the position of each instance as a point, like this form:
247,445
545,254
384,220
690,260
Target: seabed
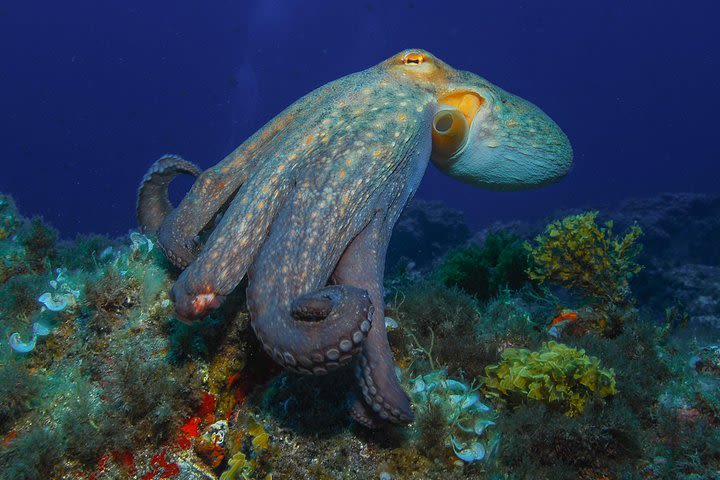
557,350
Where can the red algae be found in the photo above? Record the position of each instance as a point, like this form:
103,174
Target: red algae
192,427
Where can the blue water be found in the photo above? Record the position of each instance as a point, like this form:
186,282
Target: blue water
93,92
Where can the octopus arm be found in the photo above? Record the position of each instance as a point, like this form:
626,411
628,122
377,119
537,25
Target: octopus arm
362,264
153,204
331,244
230,249
178,228
211,191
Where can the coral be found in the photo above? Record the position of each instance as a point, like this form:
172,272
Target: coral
210,446
484,270
556,374
577,253
114,390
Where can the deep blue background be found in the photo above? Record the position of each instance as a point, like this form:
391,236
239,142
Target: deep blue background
93,92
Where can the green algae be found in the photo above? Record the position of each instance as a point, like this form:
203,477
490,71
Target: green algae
555,374
485,270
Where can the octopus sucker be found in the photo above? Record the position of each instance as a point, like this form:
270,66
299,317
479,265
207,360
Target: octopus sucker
307,205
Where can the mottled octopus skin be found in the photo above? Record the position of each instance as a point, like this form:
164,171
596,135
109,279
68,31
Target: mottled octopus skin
308,205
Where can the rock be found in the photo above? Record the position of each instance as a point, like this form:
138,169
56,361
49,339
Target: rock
192,471
681,250
424,233
681,246
696,288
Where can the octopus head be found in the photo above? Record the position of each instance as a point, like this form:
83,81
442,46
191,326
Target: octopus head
481,134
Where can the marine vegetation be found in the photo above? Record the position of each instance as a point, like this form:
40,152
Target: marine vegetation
18,388
581,255
556,374
26,245
249,463
102,382
485,270
437,320
452,420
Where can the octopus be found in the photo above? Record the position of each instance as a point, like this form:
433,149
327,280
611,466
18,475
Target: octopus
306,206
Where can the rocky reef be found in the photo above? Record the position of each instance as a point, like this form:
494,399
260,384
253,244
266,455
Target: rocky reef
571,348
423,234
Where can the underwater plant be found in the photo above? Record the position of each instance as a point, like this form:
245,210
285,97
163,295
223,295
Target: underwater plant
436,320
451,418
196,340
539,442
12,254
33,455
17,389
38,239
249,462
511,319
110,294
484,270
556,374
20,295
146,392
689,447
639,365
86,251
12,260
8,217
578,254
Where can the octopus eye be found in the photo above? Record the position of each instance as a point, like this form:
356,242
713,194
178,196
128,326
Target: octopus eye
413,58
449,134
